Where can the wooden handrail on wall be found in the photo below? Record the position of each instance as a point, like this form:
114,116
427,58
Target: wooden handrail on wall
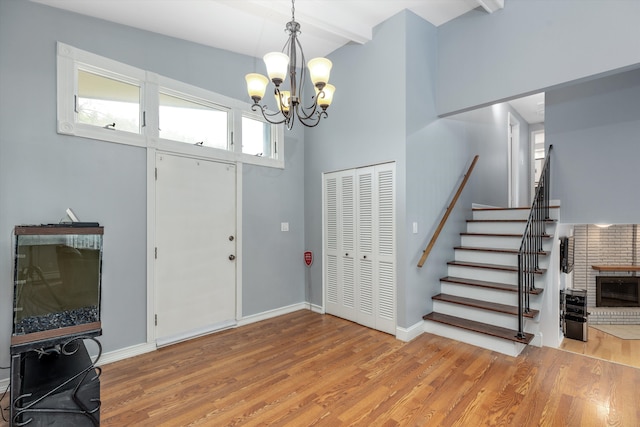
436,234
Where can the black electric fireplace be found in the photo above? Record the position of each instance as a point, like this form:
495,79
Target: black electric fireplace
617,291
57,276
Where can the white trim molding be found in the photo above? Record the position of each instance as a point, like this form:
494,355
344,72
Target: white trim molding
408,334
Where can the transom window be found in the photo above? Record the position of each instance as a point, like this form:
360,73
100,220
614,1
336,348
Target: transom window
106,100
257,138
192,122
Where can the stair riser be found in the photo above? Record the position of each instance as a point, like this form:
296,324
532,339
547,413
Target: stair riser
490,275
479,340
487,294
476,314
496,227
499,242
494,258
480,293
510,214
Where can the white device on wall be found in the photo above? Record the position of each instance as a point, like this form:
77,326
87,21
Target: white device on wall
72,216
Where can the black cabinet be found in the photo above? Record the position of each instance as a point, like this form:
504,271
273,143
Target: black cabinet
574,314
59,386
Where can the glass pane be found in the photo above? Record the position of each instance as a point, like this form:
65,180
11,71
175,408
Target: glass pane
256,137
103,102
193,123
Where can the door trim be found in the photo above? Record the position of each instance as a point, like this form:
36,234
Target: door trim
151,237
513,166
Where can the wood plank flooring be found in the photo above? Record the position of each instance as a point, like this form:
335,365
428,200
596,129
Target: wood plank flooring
306,369
606,346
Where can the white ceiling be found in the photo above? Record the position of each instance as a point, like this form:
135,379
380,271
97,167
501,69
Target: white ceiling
254,27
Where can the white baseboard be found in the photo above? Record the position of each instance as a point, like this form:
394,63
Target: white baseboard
316,308
125,353
272,313
407,334
4,383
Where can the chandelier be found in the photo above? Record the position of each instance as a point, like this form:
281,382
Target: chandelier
283,64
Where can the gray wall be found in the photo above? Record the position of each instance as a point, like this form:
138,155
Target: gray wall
437,156
430,154
532,45
360,131
43,173
487,136
595,131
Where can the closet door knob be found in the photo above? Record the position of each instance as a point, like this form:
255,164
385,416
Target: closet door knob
232,257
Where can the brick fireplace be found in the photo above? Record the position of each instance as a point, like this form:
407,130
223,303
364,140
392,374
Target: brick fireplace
596,247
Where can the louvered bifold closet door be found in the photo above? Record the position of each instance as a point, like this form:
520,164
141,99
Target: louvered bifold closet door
339,251
385,247
359,246
365,238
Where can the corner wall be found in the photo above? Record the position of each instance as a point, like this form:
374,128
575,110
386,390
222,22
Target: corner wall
530,46
594,128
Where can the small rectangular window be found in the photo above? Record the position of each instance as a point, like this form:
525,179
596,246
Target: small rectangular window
192,122
256,138
107,102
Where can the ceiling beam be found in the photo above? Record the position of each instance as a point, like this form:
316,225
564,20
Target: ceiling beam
491,5
274,11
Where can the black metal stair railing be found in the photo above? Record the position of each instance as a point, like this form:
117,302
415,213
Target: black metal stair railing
531,246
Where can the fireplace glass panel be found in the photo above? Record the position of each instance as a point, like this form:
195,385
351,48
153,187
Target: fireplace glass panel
612,291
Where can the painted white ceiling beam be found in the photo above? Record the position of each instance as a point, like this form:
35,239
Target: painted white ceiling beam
491,5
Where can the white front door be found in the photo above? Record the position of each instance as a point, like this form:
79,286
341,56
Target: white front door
195,266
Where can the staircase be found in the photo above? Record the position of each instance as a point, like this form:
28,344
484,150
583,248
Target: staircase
478,303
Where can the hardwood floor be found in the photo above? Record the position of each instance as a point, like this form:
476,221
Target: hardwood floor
306,369
607,347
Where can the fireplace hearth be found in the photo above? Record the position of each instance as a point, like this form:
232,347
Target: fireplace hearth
617,291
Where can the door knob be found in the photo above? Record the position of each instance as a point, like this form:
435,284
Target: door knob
231,238
232,257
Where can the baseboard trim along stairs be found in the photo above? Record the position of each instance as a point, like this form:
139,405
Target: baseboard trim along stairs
478,302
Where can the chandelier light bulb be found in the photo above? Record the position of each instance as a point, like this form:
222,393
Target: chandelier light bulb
277,66
319,71
325,98
256,86
284,101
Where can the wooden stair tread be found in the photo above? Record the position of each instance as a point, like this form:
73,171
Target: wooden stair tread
544,236
509,209
500,250
483,328
484,305
549,220
486,284
491,266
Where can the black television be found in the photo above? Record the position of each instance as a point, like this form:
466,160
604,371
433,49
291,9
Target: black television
566,254
57,282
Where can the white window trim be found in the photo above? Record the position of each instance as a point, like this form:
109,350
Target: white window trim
69,59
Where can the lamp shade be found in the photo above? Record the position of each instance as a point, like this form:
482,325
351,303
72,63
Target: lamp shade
325,99
319,71
256,85
283,102
277,64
